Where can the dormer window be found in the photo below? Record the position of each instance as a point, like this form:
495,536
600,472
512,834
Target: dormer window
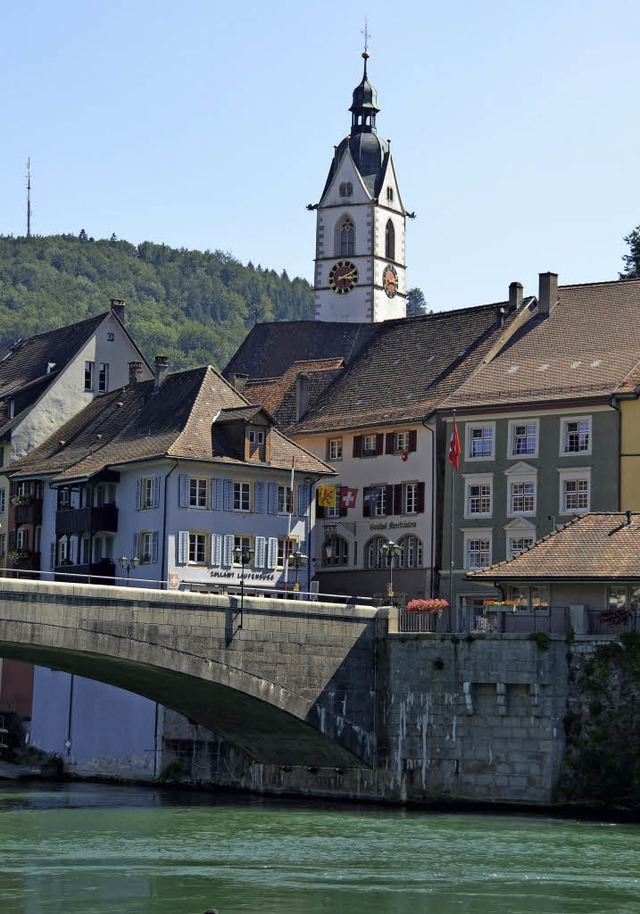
256,436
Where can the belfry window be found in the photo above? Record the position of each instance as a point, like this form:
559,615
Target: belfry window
346,238
390,241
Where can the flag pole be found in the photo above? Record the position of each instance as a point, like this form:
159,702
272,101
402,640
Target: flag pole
287,548
453,434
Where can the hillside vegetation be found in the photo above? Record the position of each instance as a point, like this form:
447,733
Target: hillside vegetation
192,306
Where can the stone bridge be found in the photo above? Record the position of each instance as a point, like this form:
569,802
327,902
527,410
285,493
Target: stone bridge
288,681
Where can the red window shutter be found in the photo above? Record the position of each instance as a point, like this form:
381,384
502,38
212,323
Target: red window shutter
389,500
379,444
413,439
366,504
390,442
398,507
420,498
357,446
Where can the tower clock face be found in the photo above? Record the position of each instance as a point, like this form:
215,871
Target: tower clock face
390,280
343,277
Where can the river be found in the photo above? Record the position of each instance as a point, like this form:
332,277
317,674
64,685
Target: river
92,849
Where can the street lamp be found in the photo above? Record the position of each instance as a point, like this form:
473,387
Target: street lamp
242,555
127,564
297,560
390,551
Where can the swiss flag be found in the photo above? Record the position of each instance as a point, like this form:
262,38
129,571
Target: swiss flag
348,497
454,447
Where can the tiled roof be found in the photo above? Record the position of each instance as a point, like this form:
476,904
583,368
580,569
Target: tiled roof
588,347
144,422
279,395
270,349
594,546
409,366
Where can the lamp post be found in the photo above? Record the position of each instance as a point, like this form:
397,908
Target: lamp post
242,556
127,564
390,551
298,559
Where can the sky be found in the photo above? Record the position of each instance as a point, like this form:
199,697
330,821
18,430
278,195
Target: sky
203,125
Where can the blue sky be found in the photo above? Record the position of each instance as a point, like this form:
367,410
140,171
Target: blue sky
205,125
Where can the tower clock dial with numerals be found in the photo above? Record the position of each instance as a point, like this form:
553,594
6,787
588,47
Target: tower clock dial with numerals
343,277
390,280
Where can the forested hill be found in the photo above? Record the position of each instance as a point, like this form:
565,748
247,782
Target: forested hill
194,307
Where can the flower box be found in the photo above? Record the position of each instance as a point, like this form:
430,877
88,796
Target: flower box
432,605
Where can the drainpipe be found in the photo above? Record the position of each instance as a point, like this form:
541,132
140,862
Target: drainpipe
616,406
164,571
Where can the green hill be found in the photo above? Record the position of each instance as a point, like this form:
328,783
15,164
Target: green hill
192,306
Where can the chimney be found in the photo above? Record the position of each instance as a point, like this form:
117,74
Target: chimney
135,372
302,394
500,312
548,292
117,306
162,370
239,381
515,295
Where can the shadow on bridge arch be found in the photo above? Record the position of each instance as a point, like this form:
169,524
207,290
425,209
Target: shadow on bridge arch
295,685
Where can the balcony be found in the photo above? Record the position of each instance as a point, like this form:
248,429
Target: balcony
103,572
79,520
27,510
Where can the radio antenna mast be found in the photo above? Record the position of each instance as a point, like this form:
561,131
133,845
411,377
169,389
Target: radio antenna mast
29,197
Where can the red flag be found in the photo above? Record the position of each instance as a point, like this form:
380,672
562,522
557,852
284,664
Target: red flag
454,447
348,497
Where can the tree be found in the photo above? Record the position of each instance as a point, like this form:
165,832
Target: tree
416,303
632,260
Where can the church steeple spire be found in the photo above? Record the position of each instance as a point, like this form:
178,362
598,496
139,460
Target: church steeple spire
365,104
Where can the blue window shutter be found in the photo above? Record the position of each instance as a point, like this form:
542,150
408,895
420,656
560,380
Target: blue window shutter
273,498
138,494
272,558
216,495
228,549
303,499
216,549
259,498
156,491
227,495
183,547
183,493
261,551
154,547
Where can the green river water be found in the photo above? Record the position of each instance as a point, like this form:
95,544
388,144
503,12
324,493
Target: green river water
87,849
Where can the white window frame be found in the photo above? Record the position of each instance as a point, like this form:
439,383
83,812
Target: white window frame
473,537
511,496
514,424
256,436
334,449
242,497
198,489
483,480
369,443
578,475
240,541
198,539
400,442
470,428
89,375
103,377
285,497
410,498
148,498
564,431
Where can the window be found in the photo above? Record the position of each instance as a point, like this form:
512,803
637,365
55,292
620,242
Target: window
369,446
389,194
3,545
401,442
375,501
410,498
477,550
103,548
88,375
148,547
346,189
256,436
576,436
480,441
373,552
103,377
245,544
347,238
242,496
285,500
390,240
22,538
523,438
518,544
111,336
104,494
197,548
148,493
334,449
286,545
197,493
622,596
411,552
478,498
575,492
531,597
3,500
62,550
336,551
522,498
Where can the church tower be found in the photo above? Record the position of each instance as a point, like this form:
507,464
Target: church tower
360,233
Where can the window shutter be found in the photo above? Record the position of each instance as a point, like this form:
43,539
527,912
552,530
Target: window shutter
389,500
273,498
134,554
154,546
367,498
183,547
303,499
390,439
156,492
357,446
261,551
53,556
420,498
259,497
183,492
227,494
320,511
216,495
216,549
398,507
138,494
228,550
272,557
379,444
413,440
